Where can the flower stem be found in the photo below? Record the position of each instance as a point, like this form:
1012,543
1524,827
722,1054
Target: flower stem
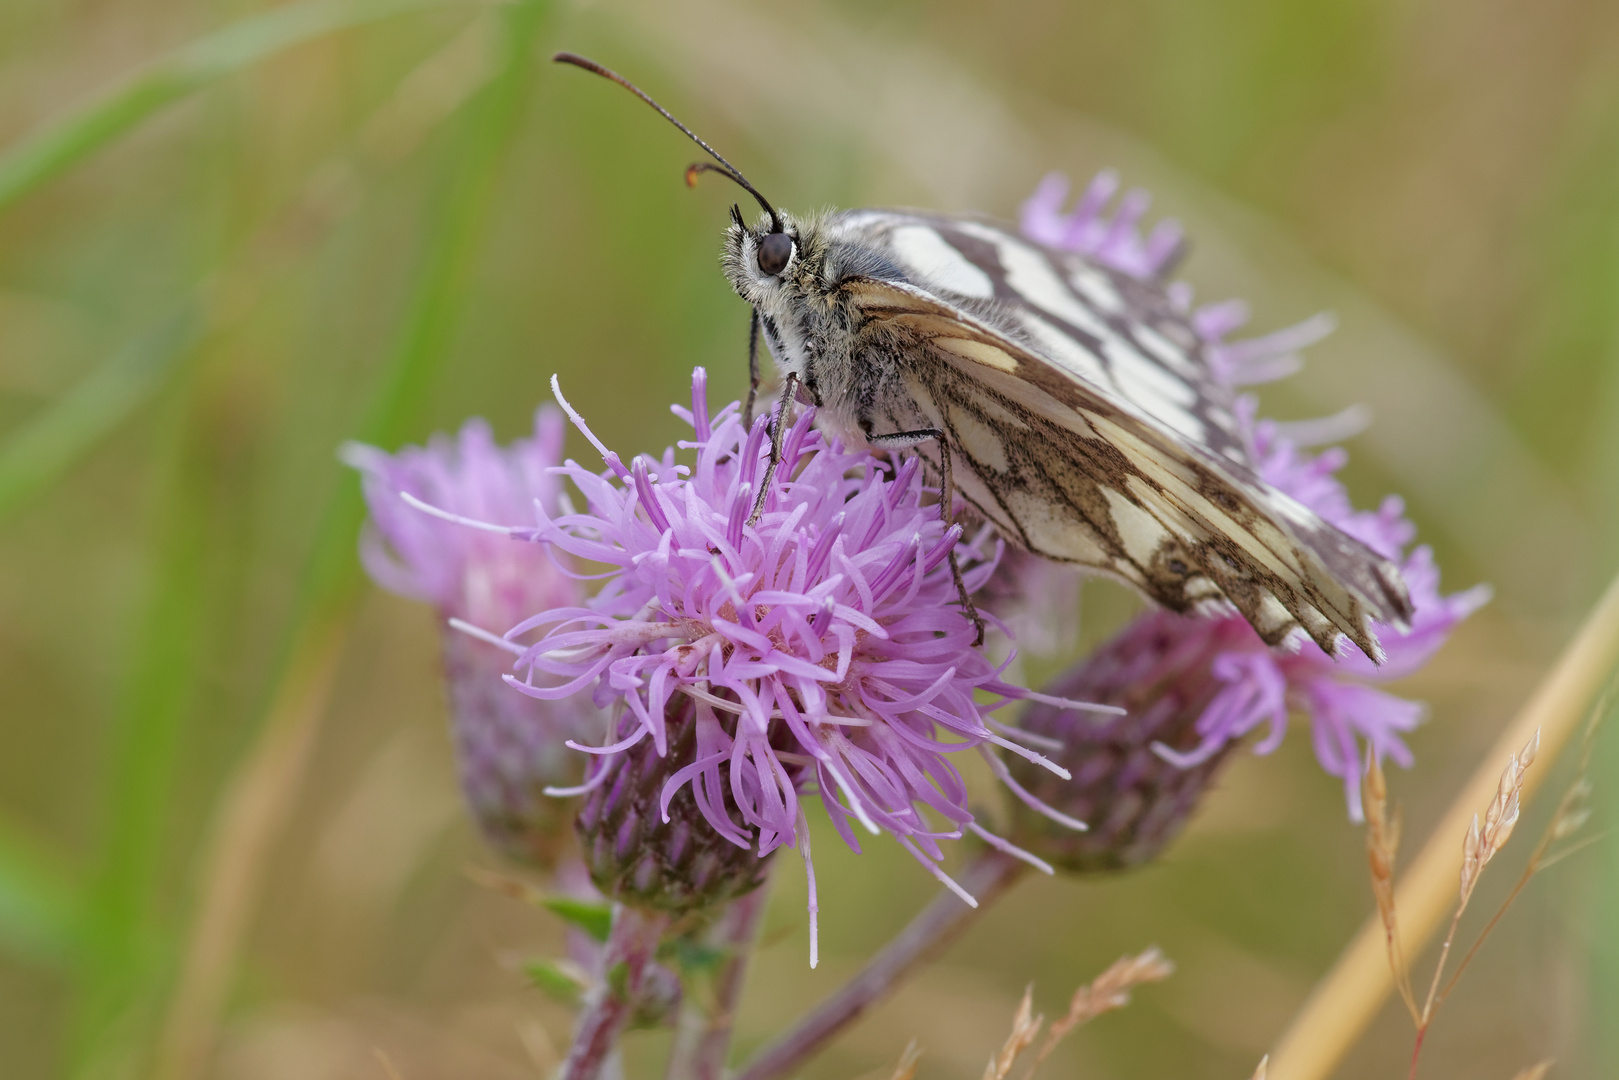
704,1037
630,950
987,877
1347,999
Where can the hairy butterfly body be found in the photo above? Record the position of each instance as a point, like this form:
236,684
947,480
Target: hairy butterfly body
1072,406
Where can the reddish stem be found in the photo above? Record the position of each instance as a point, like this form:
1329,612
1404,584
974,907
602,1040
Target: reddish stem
987,877
629,953
1416,1052
704,1038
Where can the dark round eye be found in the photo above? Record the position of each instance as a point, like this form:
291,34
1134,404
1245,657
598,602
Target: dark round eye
774,251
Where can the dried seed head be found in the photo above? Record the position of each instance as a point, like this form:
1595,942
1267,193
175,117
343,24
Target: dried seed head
1263,1070
906,1068
1382,834
1483,842
1382,849
1025,1028
1108,991
1111,989
1471,863
1535,1072
1526,758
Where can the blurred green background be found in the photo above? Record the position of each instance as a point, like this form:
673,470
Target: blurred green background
234,234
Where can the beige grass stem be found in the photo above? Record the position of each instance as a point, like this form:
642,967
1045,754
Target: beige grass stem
255,805
1347,999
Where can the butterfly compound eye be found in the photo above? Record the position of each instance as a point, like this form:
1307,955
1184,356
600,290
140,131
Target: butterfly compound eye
774,251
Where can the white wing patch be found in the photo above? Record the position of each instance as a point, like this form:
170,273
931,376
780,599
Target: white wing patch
1141,532
1053,533
1172,355
931,257
1067,352
1154,390
1032,276
1097,289
978,439
980,351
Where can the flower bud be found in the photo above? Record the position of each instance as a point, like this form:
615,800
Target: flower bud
638,858
509,746
1160,670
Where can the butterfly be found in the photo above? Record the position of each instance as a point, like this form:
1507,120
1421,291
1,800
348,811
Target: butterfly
1071,406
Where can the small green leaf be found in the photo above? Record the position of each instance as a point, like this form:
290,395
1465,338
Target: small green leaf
594,917
617,979
558,979
691,956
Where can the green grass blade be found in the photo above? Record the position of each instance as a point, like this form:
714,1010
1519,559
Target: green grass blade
64,141
331,579
39,904
437,298
43,448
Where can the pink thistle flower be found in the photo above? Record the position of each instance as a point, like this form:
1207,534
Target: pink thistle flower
1261,686
508,748
821,650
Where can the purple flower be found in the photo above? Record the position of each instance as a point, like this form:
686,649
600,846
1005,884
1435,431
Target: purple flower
1110,240
509,749
484,578
820,650
1262,685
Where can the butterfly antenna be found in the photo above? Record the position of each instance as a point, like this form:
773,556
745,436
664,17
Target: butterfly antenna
724,167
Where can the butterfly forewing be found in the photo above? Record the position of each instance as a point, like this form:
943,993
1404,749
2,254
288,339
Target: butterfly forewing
1086,424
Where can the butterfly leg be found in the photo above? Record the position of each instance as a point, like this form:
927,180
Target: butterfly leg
904,440
753,371
777,432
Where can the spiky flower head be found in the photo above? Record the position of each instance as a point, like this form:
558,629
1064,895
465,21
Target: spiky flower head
820,649
1258,686
509,748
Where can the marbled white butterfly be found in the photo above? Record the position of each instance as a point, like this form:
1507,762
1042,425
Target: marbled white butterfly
1072,406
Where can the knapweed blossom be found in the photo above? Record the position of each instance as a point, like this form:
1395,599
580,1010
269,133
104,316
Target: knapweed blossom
1257,685
821,649
509,749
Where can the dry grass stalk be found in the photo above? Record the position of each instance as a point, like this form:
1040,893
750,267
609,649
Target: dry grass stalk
1535,1072
1573,811
906,1069
1481,844
1382,847
1347,999
1025,1029
1109,990
387,1063
1500,818
1263,1070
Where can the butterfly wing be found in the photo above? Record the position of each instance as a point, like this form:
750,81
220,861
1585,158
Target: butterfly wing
1089,428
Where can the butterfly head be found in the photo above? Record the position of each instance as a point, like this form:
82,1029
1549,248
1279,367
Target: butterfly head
777,257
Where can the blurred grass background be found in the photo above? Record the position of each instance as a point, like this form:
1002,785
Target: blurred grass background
234,234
